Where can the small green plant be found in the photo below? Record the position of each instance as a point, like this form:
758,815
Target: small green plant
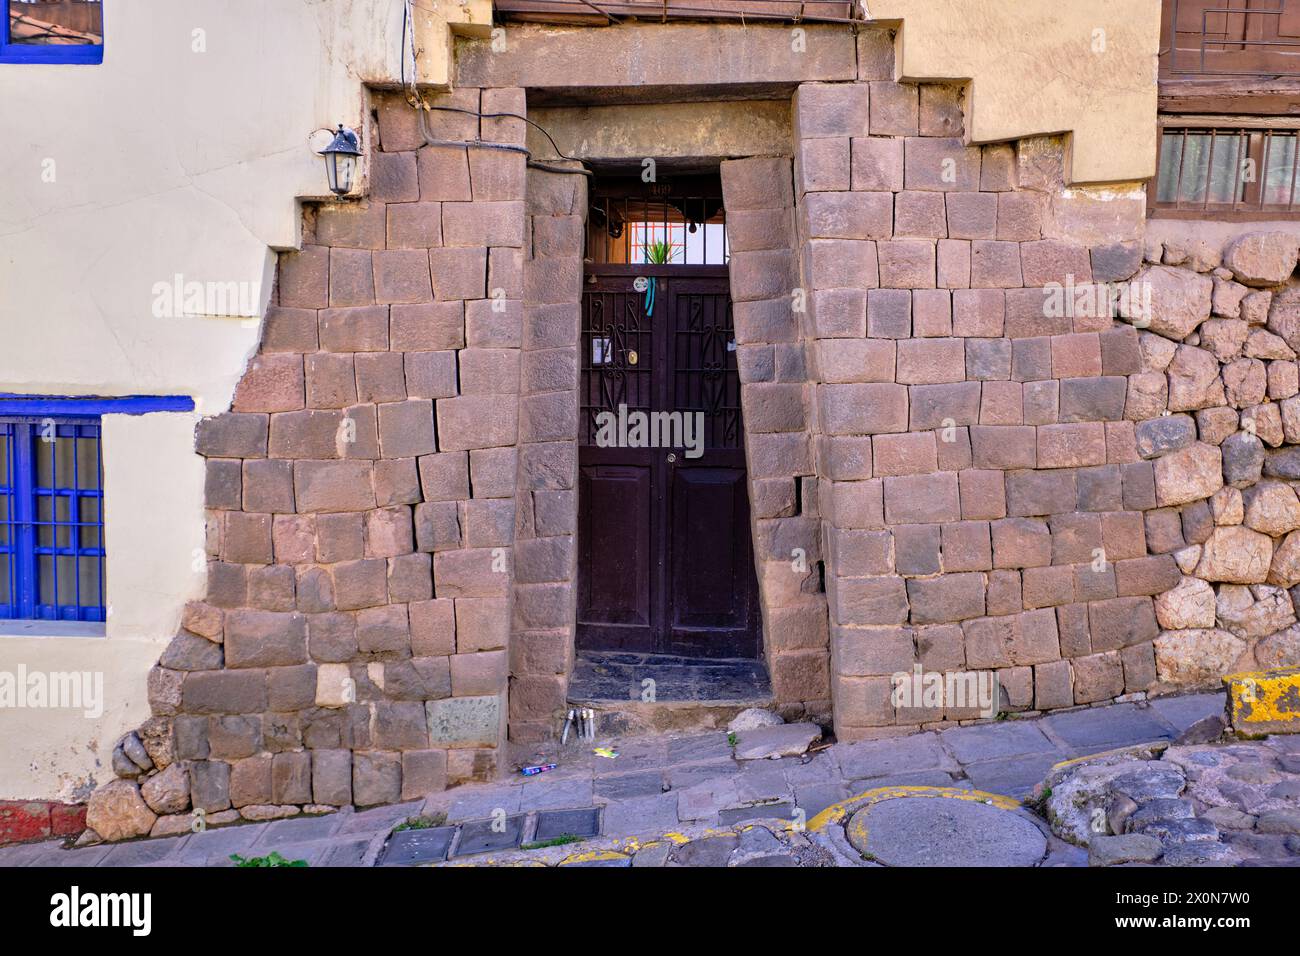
422,822
271,859
659,252
560,840
732,740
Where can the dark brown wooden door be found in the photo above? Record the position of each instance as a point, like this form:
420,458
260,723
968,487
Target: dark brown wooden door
665,558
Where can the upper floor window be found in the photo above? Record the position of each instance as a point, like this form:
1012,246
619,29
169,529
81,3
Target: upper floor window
1241,168
51,518
52,31
1230,38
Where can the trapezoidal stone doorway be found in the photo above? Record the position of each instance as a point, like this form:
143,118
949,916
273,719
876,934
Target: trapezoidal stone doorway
696,574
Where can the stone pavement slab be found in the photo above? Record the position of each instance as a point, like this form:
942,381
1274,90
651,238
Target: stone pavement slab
764,811
698,749
645,783
641,815
349,853
892,755
541,794
298,830
681,778
1004,738
921,778
816,797
761,782
1186,710
379,818
1105,728
141,852
199,848
475,803
1012,776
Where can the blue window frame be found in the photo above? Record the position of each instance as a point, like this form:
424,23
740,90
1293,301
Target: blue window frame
51,518
52,31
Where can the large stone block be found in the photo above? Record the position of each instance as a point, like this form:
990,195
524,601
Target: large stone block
862,409
459,722
265,639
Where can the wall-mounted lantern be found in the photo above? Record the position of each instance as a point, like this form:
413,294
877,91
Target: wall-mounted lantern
341,160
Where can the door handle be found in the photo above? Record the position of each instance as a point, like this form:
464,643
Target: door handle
672,457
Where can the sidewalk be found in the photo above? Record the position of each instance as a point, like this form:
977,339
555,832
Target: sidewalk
690,786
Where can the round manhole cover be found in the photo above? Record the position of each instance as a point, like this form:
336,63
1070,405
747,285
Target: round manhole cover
945,831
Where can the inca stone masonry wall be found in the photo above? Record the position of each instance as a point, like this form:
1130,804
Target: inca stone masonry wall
352,648
1005,483
975,480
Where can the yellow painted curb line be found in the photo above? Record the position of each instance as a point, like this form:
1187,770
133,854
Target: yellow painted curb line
837,812
1156,747
592,856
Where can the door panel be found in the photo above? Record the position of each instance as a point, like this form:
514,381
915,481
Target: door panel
712,608
665,559
617,585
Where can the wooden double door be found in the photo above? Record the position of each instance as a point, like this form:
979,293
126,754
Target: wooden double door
665,558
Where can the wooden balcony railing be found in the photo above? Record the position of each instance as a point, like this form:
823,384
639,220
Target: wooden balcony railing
614,11
1230,38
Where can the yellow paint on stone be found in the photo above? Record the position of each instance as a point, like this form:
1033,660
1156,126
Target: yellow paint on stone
592,856
1264,702
1154,749
838,812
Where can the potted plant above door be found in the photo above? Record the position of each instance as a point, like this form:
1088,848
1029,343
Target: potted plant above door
658,252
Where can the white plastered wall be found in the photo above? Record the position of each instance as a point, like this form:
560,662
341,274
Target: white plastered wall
185,153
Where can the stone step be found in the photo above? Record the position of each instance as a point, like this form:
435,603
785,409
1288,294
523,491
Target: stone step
636,694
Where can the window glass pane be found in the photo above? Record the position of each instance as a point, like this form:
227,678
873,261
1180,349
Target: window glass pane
56,22
6,588
1196,165
1224,175
89,536
53,557
63,520
92,587
1171,156
67,586
44,521
6,478
45,575
88,458
1280,169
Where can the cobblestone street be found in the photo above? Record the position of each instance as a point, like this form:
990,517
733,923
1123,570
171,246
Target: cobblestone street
689,801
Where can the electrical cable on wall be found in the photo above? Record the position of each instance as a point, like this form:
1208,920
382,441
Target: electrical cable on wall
422,108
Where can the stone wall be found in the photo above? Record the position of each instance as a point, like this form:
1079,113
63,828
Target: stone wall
546,496
352,647
1009,477
959,456
775,403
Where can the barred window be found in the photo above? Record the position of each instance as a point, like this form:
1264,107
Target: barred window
52,31
51,519
1235,169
